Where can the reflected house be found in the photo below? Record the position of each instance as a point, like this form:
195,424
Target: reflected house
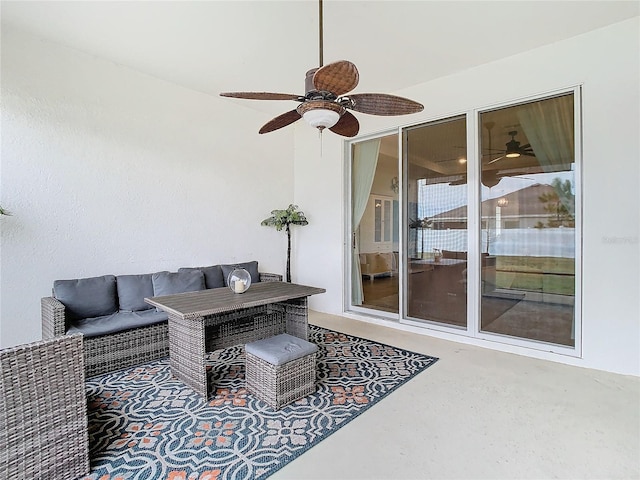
531,214
530,234
518,209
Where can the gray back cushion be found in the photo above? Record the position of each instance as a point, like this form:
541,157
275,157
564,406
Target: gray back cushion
87,297
132,290
169,283
251,267
212,275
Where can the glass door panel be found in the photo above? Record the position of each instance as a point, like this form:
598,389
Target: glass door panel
528,209
375,220
436,219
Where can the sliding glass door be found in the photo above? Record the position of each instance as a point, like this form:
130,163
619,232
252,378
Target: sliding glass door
528,212
476,232
375,219
436,222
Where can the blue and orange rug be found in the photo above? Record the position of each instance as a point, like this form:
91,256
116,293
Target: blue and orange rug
143,424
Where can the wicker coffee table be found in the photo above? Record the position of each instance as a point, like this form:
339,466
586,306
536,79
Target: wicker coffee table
200,322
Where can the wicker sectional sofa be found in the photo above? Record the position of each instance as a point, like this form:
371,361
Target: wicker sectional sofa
119,328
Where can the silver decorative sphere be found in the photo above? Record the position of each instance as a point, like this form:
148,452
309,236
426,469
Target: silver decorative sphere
239,280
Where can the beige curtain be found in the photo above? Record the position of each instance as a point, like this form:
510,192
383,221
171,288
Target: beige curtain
365,160
548,126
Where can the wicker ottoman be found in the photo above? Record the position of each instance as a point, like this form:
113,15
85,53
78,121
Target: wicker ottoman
280,369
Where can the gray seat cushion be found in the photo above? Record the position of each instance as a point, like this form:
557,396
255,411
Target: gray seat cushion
212,275
251,267
280,349
170,283
87,297
132,290
116,322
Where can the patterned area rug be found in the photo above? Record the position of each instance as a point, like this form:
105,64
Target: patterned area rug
143,424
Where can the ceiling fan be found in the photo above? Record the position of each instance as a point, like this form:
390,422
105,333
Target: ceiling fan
325,103
513,150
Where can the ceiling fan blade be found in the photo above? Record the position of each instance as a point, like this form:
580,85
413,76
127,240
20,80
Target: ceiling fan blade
384,104
338,77
347,126
495,160
261,95
280,121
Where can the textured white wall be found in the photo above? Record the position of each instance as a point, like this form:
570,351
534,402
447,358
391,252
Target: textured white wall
606,63
110,171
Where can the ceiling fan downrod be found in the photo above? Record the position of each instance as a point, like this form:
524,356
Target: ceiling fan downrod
320,33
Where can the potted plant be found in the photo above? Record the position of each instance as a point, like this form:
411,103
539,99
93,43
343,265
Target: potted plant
284,219
421,224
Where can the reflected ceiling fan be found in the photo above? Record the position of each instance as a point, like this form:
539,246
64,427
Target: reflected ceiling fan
325,103
489,178
513,150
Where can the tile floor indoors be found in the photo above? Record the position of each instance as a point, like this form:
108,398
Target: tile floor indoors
482,414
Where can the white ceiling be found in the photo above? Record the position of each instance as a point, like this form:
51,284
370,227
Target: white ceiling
215,46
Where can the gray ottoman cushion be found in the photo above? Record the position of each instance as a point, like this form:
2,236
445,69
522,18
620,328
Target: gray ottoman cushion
87,297
251,267
169,283
280,349
212,275
132,290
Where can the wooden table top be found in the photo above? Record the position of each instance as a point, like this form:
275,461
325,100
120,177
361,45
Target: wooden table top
220,300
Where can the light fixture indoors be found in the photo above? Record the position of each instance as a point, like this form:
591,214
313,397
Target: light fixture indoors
513,146
395,185
320,114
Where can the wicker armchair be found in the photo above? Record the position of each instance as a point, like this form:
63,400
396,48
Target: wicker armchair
43,410
115,351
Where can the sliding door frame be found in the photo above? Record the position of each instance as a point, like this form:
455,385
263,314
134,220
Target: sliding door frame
576,350
348,306
473,329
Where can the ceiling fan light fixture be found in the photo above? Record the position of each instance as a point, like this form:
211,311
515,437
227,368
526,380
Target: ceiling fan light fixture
513,146
321,118
321,114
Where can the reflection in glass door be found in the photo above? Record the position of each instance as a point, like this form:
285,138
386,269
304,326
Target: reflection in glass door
528,197
375,224
436,219
513,275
